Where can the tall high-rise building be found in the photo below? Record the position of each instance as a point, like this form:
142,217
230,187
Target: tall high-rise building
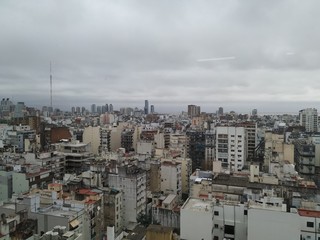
146,107
78,110
231,147
193,110
6,106
152,108
93,108
196,148
103,109
132,181
110,108
309,119
73,110
83,110
107,107
99,110
19,110
254,112
220,111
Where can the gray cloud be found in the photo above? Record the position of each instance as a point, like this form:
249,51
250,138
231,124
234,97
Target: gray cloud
123,52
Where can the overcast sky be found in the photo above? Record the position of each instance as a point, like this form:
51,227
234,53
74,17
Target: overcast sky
236,54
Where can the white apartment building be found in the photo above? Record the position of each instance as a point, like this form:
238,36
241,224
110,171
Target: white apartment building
171,177
264,219
196,219
309,224
132,181
231,147
309,119
230,220
268,219
186,171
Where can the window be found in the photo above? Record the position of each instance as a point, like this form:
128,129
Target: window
310,224
245,212
216,213
228,229
215,238
216,226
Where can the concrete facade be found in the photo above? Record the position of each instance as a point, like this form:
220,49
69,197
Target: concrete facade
132,182
171,177
197,220
91,135
231,147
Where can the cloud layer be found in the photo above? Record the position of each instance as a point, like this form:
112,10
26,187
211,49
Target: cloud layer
123,52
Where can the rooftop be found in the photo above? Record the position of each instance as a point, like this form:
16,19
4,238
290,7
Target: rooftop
169,198
309,213
85,191
199,205
159,228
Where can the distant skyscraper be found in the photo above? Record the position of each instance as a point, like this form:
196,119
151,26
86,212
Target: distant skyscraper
99,110
220,111
83,110
107,107
6,106
254,112
309,119
103,109
152,108
44,109
146,107
193,110
78,110
19,110
51,107
73,110
93,108
110,108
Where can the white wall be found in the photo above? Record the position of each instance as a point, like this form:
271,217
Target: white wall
145,147
170,175
266,225
196,224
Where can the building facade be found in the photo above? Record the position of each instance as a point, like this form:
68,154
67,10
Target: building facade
231,147
309,119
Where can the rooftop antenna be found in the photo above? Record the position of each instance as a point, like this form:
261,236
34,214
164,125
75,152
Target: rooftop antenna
50,87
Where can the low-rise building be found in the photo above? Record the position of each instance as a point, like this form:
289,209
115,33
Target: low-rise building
166,211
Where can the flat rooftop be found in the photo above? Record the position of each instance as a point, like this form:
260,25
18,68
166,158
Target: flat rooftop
199,205
70,214
309,213
169,198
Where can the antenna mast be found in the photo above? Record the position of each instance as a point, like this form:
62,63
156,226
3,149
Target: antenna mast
51,88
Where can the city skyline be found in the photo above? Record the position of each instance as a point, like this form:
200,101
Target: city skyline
239,55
